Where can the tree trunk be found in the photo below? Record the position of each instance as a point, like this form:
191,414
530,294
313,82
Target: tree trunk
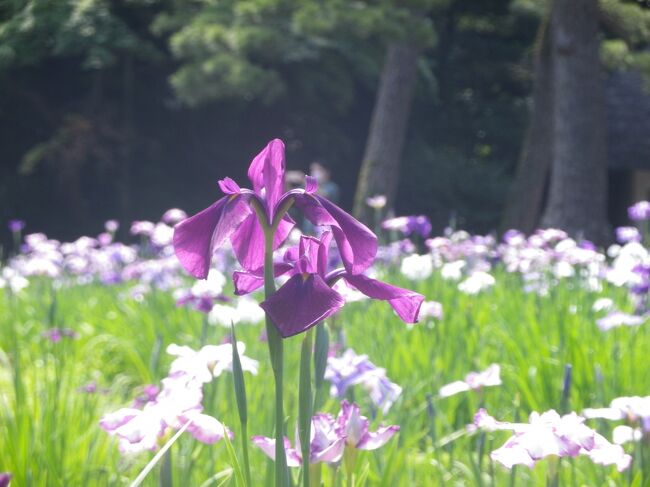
380,167
577,200
524,206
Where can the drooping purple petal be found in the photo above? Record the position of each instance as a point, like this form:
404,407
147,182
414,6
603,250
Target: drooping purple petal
196,237
248,241
206,429
300,303
356,243
110,422
376,439
246,282
267,445
266,172
405,303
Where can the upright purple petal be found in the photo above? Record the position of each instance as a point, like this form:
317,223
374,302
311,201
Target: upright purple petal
266,172
248,241
405,303
356,243
300,303
196,237
5,478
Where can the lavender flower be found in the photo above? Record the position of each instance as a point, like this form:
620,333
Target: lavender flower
549,434
173,216
633,409
628,234
639,211
408,225
474,381
178,402
55,335
355,429
326,445
329,437
16,226
615,319
208,362
376,202
351,369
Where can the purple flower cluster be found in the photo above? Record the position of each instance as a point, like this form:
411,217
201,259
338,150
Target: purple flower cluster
409,225
331,436
178,403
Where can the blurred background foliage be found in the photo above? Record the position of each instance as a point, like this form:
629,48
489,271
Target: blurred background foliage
124,108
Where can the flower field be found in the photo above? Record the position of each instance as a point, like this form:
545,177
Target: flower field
528,365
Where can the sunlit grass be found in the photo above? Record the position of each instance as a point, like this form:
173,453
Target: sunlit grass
49,432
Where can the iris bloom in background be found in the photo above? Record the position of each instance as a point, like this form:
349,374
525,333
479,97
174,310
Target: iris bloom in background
377,202
16,226
326,445
408,225
549,434
639,211
351,369
208,362
474,381
355,429
330,437
5,478
634,410
628,234
615,319
307,297
233,218
144,426
178,402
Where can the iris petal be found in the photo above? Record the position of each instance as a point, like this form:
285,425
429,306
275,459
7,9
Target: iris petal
301,303
405,303
196,237
356,243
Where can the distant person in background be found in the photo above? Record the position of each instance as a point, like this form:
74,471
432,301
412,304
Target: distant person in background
326,187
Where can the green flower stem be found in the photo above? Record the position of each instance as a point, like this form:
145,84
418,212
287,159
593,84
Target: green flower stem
276,345
305,404
277,363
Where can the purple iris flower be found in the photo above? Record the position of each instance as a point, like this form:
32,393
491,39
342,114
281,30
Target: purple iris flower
5,478
233,218
639,211
16,226
326,445
355,429
307,297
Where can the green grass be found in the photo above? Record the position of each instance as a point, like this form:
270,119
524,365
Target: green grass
49,432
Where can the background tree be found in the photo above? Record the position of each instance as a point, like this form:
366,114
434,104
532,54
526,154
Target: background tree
621,41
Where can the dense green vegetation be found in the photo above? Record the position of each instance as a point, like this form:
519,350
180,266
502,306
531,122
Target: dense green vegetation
49,425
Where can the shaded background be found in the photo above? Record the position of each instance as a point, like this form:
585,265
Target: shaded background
122,109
